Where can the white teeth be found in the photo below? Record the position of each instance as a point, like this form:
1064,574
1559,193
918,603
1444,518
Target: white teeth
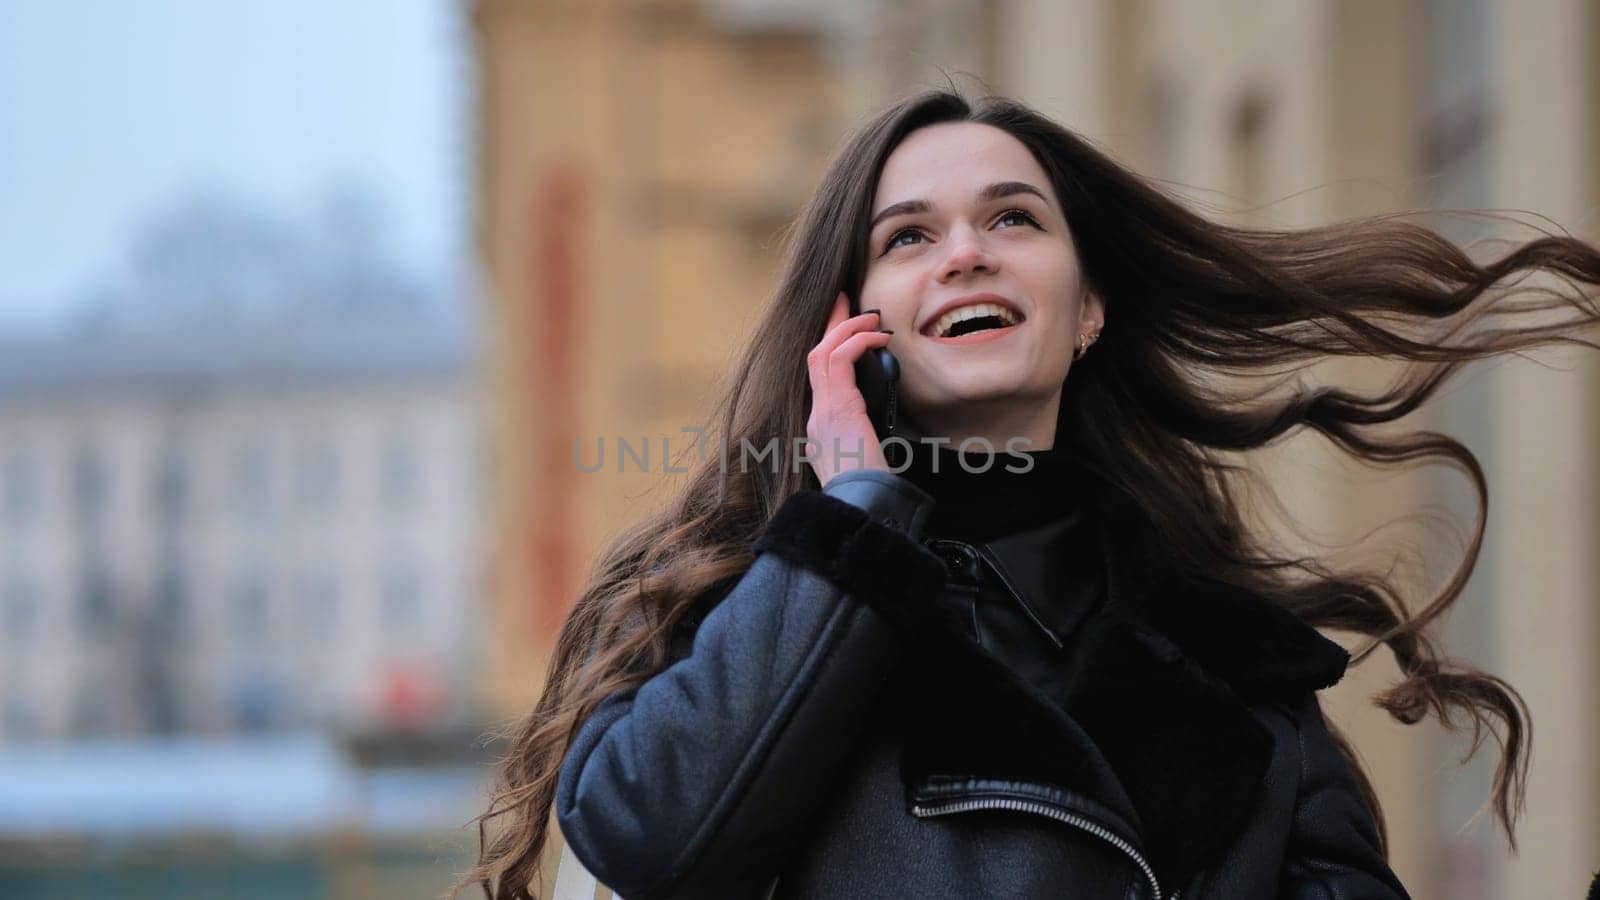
949,319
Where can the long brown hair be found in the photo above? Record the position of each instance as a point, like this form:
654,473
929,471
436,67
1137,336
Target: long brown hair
1187,298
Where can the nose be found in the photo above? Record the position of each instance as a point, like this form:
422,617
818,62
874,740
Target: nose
968,255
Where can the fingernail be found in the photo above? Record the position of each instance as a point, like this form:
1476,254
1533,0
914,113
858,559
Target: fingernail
886,331
865,311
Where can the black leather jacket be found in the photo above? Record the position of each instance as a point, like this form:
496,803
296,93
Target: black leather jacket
859,716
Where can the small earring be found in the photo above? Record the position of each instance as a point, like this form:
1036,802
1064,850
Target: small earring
1083,345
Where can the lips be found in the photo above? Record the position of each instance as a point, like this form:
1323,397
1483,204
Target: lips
971,306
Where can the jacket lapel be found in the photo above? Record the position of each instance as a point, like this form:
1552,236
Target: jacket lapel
1155,724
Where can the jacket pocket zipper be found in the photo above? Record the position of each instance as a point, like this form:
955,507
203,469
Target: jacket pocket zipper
928,810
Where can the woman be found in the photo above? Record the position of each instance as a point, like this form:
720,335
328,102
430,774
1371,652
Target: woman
1073,673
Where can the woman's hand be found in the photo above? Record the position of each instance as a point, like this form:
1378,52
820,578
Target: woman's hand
843,434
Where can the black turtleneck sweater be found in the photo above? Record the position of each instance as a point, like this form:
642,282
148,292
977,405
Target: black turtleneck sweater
975,506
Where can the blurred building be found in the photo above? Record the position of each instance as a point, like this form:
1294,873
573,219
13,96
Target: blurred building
639,161
639,158
215,529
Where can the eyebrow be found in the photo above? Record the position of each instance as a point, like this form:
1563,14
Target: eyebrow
990,192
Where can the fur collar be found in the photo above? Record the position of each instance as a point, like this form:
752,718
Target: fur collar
1156,723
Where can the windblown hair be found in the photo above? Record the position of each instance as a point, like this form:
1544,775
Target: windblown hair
1192,307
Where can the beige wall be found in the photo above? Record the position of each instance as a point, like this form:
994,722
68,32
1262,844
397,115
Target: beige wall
639,160
1546,442
1342,134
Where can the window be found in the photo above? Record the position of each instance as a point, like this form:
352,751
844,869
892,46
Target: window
21,488
1164,108
91,710
1247,150
171,601
399,472
247,602
401,596
317,477
259,701
170,484
1457,114
21,609
248,481
90,484
96,605
319,605
20,723
1456,127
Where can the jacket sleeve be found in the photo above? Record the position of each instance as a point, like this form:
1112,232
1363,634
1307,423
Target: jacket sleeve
1333,851
696,783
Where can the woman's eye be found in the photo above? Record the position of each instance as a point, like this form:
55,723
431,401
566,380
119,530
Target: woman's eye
894,239
1018,214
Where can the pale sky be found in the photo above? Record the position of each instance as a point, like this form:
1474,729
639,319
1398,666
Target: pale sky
111,110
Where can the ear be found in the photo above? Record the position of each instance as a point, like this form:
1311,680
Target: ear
1093,313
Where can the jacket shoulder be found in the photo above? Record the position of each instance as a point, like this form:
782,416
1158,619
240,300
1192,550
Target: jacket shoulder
1262,650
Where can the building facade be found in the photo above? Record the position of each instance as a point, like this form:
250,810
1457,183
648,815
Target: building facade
214,531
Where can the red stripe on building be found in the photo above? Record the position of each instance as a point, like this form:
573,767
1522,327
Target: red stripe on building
558,214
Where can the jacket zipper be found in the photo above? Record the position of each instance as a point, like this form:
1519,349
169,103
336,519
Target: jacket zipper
927,810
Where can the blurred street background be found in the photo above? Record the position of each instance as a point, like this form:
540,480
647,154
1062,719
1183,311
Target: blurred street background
303,306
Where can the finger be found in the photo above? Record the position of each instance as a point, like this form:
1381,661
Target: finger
841,311
816,367
841,373
840,326
843,328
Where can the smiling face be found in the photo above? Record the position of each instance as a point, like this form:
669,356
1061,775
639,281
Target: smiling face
972,267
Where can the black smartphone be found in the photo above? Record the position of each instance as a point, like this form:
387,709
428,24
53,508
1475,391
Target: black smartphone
877,377
877,373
